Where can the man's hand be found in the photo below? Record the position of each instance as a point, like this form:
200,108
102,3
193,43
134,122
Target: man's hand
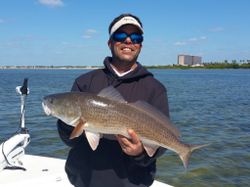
133,146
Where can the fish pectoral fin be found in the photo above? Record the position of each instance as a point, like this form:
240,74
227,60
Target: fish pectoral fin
78,130
93,139
150,149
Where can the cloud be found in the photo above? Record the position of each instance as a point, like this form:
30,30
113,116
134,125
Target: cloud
190,40
203,38
86,36
89,33
51,3
180,43
217,29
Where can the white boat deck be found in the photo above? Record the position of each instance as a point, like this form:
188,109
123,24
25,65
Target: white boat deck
41,171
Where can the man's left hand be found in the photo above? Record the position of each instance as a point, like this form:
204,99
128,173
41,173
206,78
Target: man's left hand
132,146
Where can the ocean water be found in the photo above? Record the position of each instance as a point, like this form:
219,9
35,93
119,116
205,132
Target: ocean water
208,106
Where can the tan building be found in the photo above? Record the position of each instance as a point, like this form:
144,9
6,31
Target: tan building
188,60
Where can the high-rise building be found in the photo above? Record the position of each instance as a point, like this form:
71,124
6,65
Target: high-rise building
188,60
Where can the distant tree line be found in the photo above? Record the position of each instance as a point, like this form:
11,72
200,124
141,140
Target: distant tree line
234,64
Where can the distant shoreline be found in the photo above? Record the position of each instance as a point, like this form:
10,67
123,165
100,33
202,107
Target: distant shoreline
203,66
50,67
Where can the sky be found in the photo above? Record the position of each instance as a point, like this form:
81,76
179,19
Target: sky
75,32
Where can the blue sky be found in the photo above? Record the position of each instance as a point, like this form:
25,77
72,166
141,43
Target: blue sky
74,32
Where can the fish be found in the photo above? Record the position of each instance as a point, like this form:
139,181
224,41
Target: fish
107,113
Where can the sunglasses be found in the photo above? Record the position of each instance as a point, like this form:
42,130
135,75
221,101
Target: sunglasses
121,37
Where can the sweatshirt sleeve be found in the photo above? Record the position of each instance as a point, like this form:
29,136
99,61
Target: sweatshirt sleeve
160,101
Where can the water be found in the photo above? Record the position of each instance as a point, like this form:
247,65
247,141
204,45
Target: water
208,106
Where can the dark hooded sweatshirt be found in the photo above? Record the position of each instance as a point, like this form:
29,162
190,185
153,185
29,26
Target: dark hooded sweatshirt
108,165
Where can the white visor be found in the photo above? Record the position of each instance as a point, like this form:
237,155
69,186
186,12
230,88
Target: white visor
125,21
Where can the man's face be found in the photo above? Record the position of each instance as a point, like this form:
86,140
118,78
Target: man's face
125,51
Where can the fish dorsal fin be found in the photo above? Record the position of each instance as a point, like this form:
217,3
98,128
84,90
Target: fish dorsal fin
93,139
153,112
111,93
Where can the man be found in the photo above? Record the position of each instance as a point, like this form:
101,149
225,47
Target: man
117,161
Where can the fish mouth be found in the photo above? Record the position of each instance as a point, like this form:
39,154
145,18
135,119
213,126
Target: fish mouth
46,109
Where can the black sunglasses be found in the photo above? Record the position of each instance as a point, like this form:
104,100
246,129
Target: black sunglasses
134,37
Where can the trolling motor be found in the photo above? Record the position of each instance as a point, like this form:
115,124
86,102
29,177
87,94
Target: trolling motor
14,147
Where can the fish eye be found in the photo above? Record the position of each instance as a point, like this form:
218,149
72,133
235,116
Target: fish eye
51,100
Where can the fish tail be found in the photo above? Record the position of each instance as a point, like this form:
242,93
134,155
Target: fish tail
187,153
